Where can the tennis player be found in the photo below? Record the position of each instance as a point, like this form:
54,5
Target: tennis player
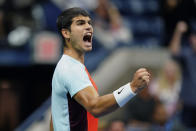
76,104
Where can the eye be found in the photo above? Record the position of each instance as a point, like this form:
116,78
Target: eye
80,22
90,22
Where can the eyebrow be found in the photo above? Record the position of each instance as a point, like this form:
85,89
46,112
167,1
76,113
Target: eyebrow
78,21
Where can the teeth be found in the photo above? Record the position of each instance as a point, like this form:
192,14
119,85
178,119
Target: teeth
88,33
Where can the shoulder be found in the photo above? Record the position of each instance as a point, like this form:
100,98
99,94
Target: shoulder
69,67
187,52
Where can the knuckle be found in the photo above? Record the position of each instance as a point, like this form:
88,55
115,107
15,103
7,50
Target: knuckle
149,74
140,77
139,74
138,71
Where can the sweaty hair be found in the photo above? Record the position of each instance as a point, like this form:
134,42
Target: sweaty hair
64,20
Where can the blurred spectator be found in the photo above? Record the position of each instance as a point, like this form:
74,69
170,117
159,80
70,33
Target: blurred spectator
2,32
140,112
160,115
173,11
109,32
86,4
9,106
109,27
16,20
184,52
45,14
116,125
166,87
3,29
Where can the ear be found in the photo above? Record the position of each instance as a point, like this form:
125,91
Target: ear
65,33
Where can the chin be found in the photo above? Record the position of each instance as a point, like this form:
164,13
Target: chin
88,49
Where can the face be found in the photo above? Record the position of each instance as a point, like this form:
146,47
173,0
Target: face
172,3
81,34
170,70
117,126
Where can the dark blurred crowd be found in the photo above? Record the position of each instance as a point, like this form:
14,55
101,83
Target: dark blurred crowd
170,101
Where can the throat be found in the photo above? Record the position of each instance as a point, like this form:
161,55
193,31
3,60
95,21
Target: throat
74,54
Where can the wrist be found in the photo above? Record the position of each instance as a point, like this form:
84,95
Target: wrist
123,94
134,88
178,32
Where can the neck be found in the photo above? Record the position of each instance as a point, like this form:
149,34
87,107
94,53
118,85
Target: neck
75,54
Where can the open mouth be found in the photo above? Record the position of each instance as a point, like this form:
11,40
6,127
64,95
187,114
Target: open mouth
87,37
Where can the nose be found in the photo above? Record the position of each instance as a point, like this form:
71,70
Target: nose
89,27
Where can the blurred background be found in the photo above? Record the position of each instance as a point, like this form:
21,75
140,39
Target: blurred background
128,34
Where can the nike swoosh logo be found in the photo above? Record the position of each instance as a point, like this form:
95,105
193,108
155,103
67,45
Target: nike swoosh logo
120,91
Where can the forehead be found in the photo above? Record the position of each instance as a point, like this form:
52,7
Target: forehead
80,17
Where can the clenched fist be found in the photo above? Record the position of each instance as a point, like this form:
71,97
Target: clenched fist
181,27
140,80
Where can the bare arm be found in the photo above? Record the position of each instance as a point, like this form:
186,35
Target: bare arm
175,43
96,105
101,105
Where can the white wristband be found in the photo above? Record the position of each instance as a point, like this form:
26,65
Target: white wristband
123,94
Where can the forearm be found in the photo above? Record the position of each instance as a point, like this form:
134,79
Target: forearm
103,105
175,43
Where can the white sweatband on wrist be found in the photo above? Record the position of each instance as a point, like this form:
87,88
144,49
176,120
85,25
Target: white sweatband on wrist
123,94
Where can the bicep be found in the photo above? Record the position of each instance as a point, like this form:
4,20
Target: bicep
86,97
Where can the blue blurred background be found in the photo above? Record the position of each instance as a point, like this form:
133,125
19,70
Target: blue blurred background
128,34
